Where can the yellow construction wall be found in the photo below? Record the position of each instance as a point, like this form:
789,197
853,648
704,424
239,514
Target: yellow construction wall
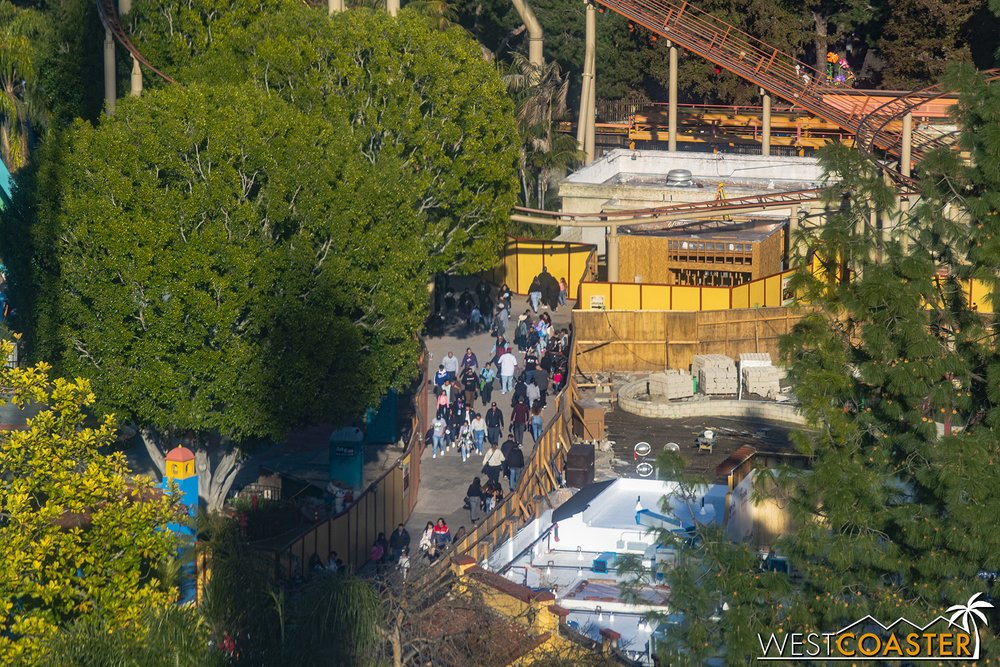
523,259
761,293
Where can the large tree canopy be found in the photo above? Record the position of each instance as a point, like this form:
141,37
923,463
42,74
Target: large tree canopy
421,96
223,267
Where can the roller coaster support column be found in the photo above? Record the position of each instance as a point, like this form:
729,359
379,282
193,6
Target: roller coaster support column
904,159
612,253
392,6
109,73
334,6
765,138
590,68
531,24
672,100
135,79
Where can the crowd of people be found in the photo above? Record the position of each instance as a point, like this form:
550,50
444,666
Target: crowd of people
527,361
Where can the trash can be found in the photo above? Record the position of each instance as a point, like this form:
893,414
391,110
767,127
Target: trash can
580,466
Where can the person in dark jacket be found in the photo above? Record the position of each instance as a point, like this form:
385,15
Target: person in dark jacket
520,417
399,540
542,380
494,424
474,495
549,287
515,464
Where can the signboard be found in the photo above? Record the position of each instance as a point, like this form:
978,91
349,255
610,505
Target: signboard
597,302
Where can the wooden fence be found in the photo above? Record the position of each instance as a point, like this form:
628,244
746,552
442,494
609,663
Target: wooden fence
386,502
656,340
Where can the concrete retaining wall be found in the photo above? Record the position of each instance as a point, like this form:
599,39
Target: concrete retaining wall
663,409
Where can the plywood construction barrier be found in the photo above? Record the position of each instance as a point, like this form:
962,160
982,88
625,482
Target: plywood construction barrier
523,259
768,292
656,340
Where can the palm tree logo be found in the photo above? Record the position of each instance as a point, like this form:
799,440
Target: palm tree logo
968,617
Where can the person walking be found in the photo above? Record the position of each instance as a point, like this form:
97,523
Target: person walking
474,495
515,464
501,319
478,426
470,384
562,291
508,364
519,419
486,377
470,360
494,423
398,542
533,393
535,293
536,422
493,464
530,365
542,381
439,428
450,363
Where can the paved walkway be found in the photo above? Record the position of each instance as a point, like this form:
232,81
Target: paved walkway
444,480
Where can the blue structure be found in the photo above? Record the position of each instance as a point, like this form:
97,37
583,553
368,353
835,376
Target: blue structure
6,186
380,424
347,457
180,471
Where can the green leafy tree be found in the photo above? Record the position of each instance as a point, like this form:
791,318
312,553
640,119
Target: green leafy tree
173,34
69,72
921,38
20,29
410,93
80,537
221,271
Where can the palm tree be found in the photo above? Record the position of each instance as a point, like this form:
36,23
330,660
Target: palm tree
540,93
971,616
20,30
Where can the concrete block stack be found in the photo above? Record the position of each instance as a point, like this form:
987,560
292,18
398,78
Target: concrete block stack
716,373
672,384
762,380
759,376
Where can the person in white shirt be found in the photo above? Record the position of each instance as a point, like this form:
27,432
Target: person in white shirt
439,426
493,463
450,364
508,364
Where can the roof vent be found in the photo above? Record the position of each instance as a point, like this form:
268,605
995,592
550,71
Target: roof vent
679,178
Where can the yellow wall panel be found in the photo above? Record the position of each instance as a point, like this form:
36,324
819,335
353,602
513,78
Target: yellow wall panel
590,290
741,296
772,291
626,296
686,298
757,294
715,298
656,297
529,264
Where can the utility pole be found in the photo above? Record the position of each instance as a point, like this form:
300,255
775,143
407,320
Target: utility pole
334,6
588,99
